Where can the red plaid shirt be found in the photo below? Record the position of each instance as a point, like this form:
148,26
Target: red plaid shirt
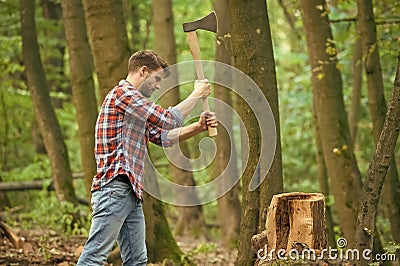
127,121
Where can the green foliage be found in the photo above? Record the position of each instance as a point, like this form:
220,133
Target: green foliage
67,120
202,248
392,247
44,247
46,211
205,248
38,169
297,131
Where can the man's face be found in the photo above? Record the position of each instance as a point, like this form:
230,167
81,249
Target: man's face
151,83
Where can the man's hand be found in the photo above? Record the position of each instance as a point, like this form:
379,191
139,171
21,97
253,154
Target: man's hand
201,88
208,119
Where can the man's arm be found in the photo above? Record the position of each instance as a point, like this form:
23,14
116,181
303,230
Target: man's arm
201,89
167,138
183,133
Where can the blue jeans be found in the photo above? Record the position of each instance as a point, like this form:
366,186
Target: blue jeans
117,216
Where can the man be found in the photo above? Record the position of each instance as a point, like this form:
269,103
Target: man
126,122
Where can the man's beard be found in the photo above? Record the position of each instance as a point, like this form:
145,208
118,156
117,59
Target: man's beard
146,90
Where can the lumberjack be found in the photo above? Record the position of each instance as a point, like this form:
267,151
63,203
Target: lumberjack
126,122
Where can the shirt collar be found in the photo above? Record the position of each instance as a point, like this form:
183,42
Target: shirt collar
124,82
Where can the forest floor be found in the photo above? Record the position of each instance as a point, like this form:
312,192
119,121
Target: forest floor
46,247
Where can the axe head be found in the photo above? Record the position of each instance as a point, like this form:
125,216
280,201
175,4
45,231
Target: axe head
208,22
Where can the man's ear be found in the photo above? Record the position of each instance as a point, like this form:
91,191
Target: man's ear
143,71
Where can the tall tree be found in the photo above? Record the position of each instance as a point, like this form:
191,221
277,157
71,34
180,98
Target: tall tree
134,19
377,170
377,107
191,219
228,204
253,55
356,90
45,115
345,178
323,181
54,64
108,41
83,89
157,228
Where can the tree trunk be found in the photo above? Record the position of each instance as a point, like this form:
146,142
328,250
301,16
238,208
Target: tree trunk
45,115
108,42
228,204
83,90
378,108
253,55
134,18
323,179
191,219
37,138
377,170
273,183
54,64
294,35
345,178
356,92
4,141
157,228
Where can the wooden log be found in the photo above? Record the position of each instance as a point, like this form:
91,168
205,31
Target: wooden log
12,236
294,220
31,184
21,185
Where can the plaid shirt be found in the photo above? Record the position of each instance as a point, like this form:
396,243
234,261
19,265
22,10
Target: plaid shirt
127,121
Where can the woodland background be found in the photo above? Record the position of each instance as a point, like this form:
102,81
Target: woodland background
326,67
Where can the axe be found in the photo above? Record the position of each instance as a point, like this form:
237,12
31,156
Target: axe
209,23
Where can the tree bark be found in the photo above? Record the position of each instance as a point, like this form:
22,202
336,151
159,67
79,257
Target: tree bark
134,19
295,219
45,115
377,169
83,89
157,228
37,137
108,42
356,92
253,55
294,35
54,64
273,183
4,142
228,204
378,108
323,181
341,165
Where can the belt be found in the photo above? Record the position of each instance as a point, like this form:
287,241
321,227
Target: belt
123,178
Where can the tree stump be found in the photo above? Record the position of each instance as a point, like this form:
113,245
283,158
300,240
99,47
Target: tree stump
295,220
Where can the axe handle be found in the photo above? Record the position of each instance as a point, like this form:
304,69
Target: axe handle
195,50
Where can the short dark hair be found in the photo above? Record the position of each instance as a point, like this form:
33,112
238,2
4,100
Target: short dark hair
150,59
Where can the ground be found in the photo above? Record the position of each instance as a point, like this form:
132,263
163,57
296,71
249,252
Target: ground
46,247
